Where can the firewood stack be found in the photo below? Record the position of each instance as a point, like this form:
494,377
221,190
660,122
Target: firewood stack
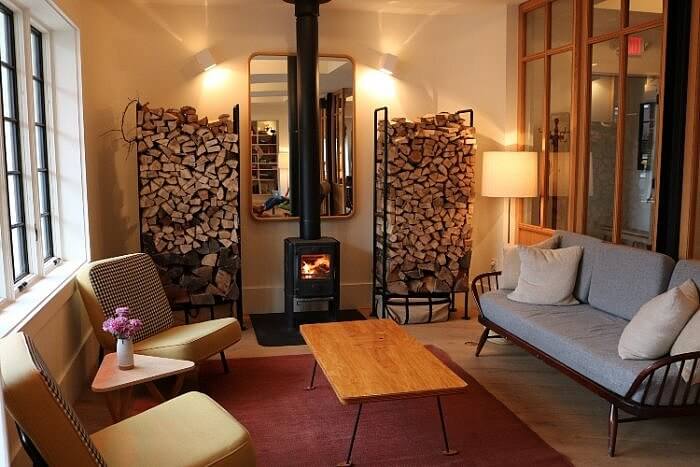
189,201
430,188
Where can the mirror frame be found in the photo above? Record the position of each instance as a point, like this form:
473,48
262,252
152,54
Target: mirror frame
250,148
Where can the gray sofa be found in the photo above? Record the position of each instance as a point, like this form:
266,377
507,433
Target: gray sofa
581,340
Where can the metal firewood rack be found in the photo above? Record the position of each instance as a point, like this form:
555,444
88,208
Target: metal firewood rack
191,310
380,292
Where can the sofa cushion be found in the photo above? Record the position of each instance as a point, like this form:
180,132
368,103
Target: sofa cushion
511,260
547,276
581,337
625,278
194,342
190,429
657,324
685,269
689,341
585,268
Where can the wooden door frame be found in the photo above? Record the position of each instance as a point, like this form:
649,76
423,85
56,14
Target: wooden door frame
583,156
691,172
530,231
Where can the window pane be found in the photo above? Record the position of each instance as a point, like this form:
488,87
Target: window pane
559,142
40,137
562,23
19,253
534,23
606,16
603,137
43,193
644,11
11,147
8,97
532,132
40,147
39,101
14,196
37,64
47,240
5,43
641,131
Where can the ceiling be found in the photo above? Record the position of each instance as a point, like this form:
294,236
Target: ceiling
408,7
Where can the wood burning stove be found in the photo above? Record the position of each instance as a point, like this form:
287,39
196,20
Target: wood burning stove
312,262
312,273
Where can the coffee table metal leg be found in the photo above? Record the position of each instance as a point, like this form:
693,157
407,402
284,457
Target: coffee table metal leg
310,387
348,460
447,451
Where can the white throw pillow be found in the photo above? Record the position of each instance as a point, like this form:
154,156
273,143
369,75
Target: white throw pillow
689,341
657,324
511,261
547,277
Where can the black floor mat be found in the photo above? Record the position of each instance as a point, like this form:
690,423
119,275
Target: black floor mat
271,329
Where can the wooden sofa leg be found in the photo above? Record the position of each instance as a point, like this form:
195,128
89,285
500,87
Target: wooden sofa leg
482,340
612,430
223,361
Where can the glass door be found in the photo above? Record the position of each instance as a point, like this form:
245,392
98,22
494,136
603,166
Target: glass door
624,57
546,108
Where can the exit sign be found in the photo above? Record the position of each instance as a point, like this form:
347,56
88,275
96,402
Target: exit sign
635,46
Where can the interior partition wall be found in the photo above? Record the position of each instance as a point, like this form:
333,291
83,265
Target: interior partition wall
547,92
592,107
690,211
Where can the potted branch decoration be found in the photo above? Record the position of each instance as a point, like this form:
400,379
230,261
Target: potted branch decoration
123,329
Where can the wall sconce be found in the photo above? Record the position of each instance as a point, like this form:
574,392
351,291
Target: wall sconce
387,63
205,60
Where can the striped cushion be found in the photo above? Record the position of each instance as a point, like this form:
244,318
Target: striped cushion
63,404
133,281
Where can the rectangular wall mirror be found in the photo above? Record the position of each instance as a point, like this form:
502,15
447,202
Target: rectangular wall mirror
273,122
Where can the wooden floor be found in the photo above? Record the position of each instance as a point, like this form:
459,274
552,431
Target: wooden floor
564,414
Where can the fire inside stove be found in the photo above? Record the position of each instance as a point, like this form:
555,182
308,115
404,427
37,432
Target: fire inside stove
315,266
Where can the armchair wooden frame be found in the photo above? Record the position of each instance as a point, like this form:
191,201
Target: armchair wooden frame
649,407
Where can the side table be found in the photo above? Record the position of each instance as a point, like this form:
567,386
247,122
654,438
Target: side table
117,385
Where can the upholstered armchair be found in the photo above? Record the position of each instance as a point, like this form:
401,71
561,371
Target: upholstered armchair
133,281
189,430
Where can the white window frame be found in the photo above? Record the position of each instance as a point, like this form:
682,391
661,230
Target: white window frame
25,116
46,266
21,301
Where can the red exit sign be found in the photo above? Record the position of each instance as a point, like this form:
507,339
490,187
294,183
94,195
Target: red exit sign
635,46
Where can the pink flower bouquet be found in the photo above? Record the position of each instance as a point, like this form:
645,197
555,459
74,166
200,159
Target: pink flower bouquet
120,326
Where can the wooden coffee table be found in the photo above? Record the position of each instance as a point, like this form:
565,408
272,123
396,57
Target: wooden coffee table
117,385
376,360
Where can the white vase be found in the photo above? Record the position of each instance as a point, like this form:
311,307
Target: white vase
125,354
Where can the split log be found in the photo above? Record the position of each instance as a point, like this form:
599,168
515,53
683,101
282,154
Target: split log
430,202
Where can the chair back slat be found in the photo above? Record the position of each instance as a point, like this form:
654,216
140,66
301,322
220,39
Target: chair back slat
660,393
676,384
650,379
690,379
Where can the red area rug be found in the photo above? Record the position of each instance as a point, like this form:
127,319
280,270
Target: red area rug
293,427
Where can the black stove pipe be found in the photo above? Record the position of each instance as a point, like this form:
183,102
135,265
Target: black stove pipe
293,134
307,12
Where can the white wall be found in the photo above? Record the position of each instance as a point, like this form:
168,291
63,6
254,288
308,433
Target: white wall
131,49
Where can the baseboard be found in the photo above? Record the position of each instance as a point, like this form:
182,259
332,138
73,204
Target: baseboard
271,299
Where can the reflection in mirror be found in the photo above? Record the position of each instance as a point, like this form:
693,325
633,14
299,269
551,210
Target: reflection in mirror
274,162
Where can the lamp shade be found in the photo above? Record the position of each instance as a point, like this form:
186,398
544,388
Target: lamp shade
509,174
